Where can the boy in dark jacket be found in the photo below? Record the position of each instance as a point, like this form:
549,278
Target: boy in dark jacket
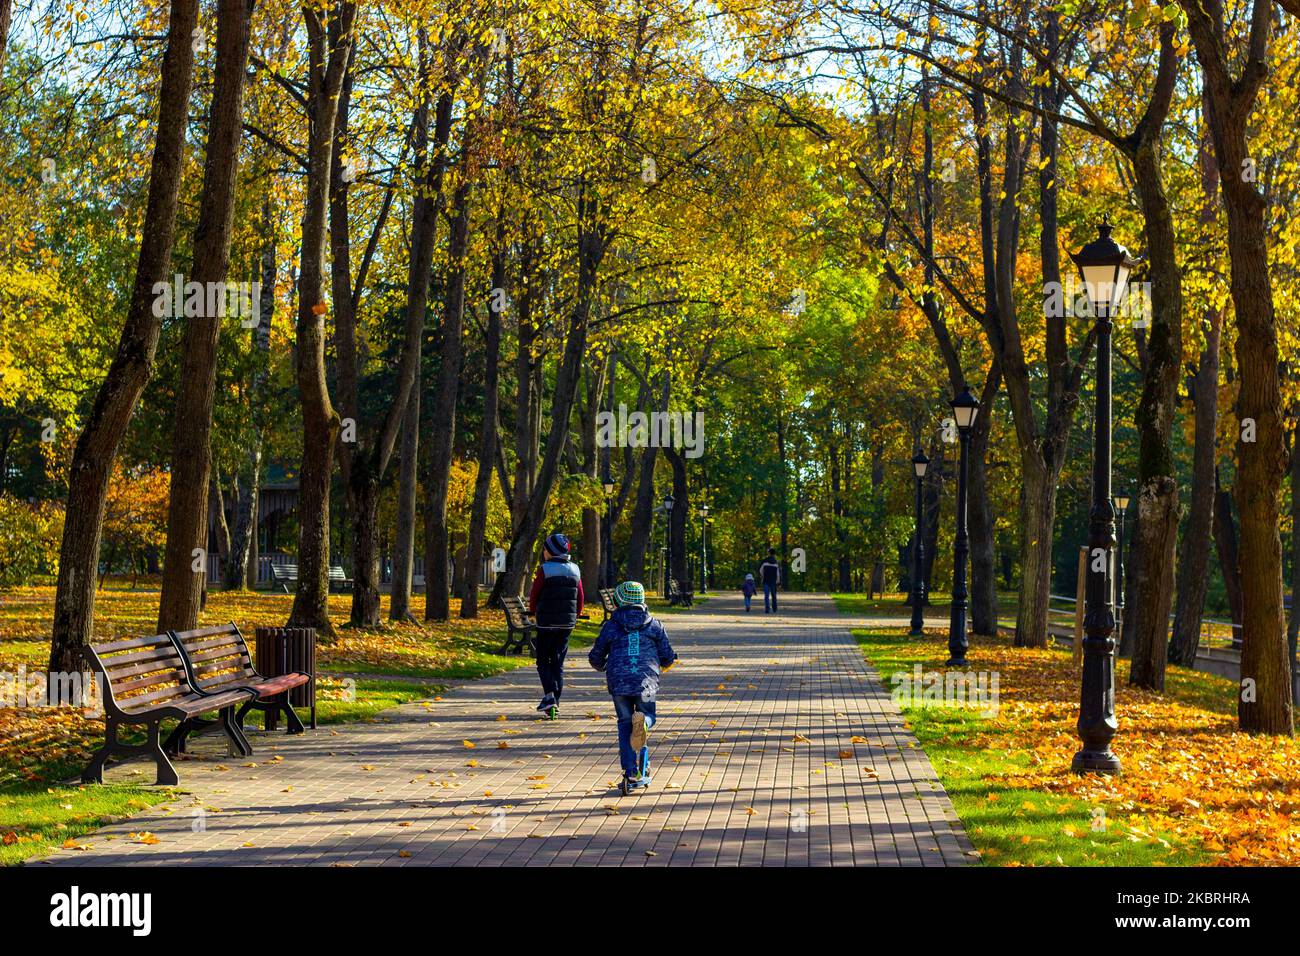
633,650
555,601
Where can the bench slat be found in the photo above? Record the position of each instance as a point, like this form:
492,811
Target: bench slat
158,652
201,632
155,698
112,647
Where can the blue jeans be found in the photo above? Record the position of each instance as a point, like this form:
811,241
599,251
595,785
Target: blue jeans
624,706
748,597
769,597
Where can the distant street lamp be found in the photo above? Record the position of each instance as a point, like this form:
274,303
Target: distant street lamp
1105,266
608,561
704,549
668,542
1121,505
919,464
965,408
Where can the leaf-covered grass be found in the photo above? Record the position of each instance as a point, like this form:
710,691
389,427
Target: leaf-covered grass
34,820
1193,788
976,758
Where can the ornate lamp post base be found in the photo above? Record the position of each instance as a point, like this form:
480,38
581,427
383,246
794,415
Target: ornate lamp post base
1095,761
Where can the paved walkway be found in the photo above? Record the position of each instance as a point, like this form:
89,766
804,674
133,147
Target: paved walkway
775,746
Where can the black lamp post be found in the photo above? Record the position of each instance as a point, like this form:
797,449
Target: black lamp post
668,542
704,549
965,407
609,533
1121,506
919,464
1105,267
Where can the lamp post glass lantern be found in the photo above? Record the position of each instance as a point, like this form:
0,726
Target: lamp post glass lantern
965,409
919,465
1105,266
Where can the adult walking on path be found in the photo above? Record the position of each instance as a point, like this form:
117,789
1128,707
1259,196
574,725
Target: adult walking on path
769,572
751,771
555,601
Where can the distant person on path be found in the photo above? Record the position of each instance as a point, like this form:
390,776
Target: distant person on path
769,572
555,601
748,588
632,650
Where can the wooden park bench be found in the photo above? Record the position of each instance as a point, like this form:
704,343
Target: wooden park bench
678,594
217,660
607,602
284,575
518,622
339,578
144,682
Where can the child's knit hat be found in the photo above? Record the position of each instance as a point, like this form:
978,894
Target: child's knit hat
629,592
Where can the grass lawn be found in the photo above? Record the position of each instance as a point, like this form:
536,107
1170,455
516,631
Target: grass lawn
1193,791
41,748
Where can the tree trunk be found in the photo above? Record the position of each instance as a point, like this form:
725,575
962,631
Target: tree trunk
6,19
399,608
1194,555
979,516
1194,566
241,569
592,554
643,511
217,512
1157,496
330,52
527,399
366,463
437,585
677,520
591,245
92,460
1037,518
1226,549
236,570
487,448
783,492
191,458
1265,703
1293,620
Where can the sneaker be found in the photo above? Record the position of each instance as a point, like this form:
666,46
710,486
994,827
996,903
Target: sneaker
639,731
547,702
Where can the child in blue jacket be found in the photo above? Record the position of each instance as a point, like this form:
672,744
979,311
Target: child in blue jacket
632,650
